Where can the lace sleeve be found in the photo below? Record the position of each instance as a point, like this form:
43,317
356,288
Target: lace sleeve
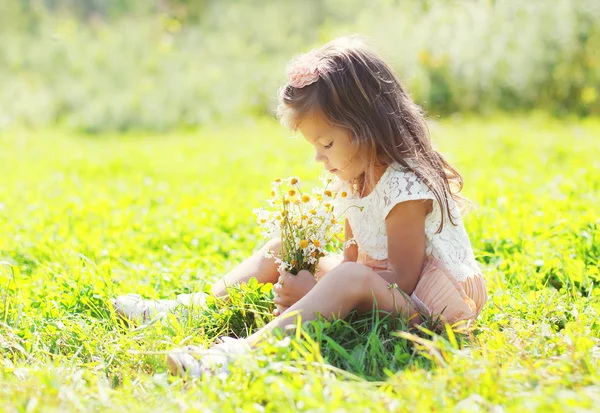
403,186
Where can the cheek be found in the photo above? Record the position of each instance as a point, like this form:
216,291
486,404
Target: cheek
346,156
349,150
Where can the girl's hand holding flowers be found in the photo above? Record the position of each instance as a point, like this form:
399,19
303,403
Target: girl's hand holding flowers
307,224
291,288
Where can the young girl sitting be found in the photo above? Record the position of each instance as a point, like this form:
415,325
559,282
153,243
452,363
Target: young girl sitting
411,253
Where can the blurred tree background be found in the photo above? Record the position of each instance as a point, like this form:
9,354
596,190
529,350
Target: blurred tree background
117,65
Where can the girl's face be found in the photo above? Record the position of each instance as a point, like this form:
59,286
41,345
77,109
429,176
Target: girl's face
333,146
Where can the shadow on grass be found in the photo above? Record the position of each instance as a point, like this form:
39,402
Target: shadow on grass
374,346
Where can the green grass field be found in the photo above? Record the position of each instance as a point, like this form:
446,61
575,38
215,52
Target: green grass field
83,219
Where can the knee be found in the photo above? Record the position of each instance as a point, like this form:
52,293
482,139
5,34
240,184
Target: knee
274,244
355,278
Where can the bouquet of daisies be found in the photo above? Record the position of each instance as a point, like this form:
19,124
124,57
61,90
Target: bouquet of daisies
306,223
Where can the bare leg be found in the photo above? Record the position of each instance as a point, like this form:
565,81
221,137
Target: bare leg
257,266
264,269
346,287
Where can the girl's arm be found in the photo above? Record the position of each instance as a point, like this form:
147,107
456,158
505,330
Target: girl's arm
406,243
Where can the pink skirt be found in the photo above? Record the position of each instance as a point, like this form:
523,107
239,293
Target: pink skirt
439,294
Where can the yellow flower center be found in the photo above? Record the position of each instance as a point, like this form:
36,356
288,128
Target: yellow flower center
303,243
305,198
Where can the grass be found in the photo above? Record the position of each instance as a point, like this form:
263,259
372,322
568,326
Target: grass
84,219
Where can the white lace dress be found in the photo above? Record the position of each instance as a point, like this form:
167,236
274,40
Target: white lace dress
398,184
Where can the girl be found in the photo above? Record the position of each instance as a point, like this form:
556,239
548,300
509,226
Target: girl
411,254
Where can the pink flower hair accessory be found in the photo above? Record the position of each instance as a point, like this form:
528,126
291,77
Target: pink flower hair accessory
303,71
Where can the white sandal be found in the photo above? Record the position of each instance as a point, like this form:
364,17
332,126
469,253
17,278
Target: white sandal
136,309
195,361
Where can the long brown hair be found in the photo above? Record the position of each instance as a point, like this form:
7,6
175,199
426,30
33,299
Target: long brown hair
358,91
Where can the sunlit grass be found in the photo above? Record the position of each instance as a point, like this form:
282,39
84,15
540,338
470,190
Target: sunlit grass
84,219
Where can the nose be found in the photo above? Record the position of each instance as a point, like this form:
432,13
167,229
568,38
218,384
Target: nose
319,157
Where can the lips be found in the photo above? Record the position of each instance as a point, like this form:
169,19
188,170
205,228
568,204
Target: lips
332,170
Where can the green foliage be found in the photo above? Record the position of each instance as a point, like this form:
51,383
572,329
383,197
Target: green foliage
115,66
84,219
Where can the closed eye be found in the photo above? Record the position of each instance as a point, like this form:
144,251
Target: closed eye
328,146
